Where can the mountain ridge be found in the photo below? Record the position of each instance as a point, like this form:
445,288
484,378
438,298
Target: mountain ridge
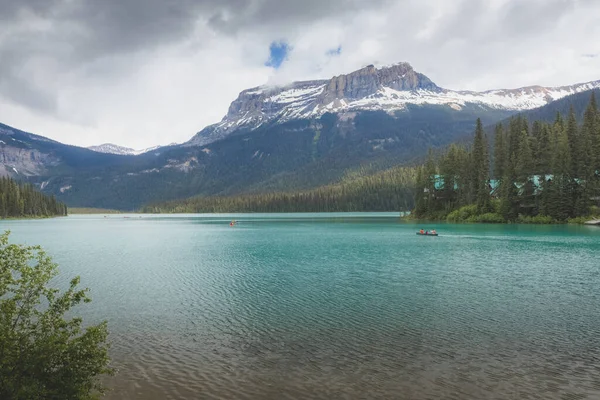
388,88
111,148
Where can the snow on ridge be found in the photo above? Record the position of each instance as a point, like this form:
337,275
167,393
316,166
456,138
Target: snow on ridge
297,94
110,148
301,100
387,98
255,91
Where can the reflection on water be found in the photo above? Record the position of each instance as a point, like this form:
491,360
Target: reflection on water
336,307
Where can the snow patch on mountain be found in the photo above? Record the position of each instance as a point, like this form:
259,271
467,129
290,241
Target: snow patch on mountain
111,148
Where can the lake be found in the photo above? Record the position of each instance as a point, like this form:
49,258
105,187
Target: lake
331,306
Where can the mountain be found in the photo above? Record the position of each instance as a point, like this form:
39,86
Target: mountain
392,88
27,155
111,148
299,136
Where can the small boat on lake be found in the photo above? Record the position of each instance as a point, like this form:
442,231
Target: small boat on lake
427,233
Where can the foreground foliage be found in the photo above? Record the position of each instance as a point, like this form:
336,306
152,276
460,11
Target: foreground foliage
536,173
18,200
43,354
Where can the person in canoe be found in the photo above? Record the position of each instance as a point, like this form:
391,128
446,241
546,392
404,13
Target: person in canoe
433,232
422,232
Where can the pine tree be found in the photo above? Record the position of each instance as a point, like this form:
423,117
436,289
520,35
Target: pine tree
544,151
500,156
19,200
481,168
524,165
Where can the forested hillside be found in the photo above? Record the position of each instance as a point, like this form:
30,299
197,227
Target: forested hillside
17,200
539,172
390,190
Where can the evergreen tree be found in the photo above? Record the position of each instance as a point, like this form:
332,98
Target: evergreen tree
17,200
591,131
481,168
500,156
543,156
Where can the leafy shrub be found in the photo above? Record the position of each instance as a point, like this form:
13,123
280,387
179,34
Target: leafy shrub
47,353
462,214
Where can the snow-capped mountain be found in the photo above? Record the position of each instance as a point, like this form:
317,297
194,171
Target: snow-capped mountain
388,88
111,148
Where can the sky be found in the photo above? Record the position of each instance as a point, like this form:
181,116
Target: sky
140,73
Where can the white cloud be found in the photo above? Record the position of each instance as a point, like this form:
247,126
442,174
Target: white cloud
144,91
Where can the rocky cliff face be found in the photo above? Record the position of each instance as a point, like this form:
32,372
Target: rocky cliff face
22,161
367,81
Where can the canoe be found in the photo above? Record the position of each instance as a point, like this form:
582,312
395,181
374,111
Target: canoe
426,234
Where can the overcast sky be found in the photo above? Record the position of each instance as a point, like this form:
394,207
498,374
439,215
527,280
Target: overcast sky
145,72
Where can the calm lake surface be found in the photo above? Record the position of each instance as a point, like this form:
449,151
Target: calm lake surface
331,306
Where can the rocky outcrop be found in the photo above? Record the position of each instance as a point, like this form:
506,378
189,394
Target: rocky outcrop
253,100
367,81
22,161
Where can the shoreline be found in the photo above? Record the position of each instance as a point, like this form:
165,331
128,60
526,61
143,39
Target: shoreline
572,221
31,217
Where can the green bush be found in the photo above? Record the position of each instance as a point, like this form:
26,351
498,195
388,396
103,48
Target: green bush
46,352
462,214
488,218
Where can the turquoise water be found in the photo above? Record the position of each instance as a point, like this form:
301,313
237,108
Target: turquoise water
335,305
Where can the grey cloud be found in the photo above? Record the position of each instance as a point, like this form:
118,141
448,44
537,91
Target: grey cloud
10,9
475,21
79,33
534,16
263,13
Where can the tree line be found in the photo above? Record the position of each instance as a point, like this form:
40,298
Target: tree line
538,172
389,190
23,200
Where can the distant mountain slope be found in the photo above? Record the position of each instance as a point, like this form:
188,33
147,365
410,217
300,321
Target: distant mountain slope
30,155
579,102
